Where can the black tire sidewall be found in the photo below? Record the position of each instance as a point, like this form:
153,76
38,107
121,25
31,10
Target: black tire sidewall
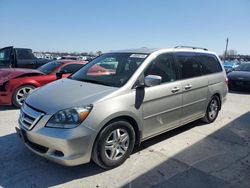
14,101
107,163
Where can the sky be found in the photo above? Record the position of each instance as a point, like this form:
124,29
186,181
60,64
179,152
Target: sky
93,25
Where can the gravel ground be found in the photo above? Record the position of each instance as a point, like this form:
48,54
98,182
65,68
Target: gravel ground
195,155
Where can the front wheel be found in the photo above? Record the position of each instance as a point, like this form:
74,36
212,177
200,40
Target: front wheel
20,94
212,110
114,144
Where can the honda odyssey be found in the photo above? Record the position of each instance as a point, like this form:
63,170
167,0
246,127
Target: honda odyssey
120,99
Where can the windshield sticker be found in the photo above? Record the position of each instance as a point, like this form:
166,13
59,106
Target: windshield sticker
142,56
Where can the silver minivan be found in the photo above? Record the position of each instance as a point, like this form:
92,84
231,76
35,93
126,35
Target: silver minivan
120,99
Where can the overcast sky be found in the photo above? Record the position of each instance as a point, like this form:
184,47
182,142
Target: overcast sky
78,25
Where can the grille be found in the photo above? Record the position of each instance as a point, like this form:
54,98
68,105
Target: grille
29,117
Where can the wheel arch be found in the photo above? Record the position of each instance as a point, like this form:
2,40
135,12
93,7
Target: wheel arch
14,89
127,118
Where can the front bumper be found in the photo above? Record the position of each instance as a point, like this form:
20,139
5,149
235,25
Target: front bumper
5,98
67,147
239,84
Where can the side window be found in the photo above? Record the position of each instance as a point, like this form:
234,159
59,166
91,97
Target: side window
209,64
71,68
24,54
188,65
163,66
5,54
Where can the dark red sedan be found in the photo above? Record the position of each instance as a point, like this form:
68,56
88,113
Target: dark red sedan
16,84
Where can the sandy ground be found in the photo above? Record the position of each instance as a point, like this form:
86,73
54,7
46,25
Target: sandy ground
195,155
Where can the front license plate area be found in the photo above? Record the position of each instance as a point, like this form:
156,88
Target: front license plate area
239,83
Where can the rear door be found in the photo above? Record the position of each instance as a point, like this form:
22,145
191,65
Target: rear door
25,58
162,103
6,57
194,86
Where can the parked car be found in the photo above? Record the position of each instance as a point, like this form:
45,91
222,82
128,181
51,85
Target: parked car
103,117
230,65
239,77
16,84
11,57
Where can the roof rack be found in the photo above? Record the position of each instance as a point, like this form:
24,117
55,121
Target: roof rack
192,47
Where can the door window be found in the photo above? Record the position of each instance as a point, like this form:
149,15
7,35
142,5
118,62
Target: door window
188,65
5,54
163,66
71,68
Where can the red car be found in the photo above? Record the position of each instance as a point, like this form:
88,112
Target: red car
17,83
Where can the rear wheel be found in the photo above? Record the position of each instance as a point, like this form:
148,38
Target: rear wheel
21,93
114,144
212,110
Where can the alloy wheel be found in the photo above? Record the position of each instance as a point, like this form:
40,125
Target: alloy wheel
213,109
22,93
117,144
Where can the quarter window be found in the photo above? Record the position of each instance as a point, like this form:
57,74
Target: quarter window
163,66
209,64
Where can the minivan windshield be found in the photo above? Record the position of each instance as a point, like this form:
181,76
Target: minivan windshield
111,69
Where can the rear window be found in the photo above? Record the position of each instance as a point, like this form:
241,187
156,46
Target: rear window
209,64
24,54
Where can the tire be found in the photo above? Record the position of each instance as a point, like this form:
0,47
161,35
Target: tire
109,152
212,110
20,94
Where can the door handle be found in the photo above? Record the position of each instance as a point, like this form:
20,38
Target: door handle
189,86
175,89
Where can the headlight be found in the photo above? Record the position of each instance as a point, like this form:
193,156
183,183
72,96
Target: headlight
69,118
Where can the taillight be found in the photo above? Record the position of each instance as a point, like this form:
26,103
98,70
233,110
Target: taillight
226,81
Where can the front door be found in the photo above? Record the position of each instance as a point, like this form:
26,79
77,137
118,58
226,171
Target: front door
162,104
25,58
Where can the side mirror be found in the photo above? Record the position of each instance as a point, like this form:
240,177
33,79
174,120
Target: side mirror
152,80
59,75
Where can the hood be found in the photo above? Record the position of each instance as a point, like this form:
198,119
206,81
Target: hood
239,75
66,93
10,73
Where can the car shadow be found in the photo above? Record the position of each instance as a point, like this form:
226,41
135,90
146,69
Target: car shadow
21,168
221,159
243,92
167,135
19,165
18,162
5,108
